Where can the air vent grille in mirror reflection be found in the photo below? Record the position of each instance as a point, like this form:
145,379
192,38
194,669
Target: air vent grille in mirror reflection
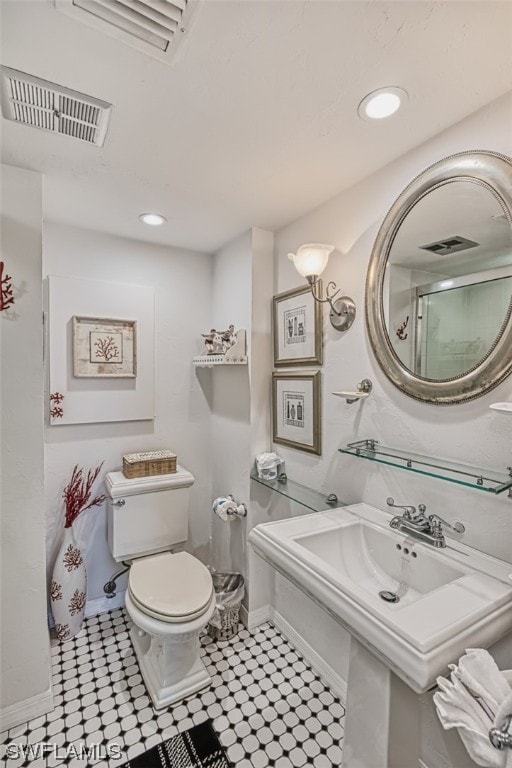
450,245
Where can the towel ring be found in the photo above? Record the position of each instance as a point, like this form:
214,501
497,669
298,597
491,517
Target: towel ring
501,738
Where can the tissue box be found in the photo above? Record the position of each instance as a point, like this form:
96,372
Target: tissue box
149,463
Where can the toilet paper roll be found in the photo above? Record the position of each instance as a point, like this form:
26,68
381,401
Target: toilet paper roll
224,508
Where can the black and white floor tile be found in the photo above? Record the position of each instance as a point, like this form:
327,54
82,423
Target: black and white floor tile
268,707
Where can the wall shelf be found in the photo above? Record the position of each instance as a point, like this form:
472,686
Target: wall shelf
487,480
235,355
307,497
211,361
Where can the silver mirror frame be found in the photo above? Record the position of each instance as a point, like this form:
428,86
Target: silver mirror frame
493,172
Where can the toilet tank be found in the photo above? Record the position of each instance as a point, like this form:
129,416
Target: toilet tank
147,514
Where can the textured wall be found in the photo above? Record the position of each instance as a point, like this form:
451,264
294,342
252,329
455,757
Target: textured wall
25,670
181,281
242,287
470,432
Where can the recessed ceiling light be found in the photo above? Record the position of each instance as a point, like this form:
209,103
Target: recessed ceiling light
381,103
153,219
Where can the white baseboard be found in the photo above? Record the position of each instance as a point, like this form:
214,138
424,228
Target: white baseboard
23,711
253,619
326,672
103,604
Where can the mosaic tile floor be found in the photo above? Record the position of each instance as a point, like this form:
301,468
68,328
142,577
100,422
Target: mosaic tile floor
268,707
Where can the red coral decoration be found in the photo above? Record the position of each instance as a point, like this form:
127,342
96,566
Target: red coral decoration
62,631
55,590
77,602
400,331
77,493
57,412
6,290
72,558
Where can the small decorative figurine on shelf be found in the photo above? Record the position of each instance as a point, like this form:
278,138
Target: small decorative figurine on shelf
218,342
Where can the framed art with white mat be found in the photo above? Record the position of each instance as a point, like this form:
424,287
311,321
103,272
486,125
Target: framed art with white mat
297,328
296,410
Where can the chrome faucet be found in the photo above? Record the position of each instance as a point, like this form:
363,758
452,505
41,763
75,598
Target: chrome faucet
416,523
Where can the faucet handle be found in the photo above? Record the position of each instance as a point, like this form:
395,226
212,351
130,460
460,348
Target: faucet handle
391,503
410,511
437,521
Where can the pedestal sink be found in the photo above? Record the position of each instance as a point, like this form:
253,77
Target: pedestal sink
411,610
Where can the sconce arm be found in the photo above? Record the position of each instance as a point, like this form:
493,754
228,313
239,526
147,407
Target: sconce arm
331,293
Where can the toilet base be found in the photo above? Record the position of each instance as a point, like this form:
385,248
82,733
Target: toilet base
168,655
162,695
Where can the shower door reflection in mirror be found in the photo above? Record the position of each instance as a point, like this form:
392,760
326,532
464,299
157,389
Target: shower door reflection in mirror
448,281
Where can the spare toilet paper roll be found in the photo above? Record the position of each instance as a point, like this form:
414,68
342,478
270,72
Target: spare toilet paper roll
224,508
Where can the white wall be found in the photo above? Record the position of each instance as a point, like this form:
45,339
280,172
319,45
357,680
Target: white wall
181,280
25,664
470,432
230,415
242,288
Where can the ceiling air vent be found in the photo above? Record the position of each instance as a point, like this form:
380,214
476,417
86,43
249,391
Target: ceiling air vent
449,245
32,101
155,27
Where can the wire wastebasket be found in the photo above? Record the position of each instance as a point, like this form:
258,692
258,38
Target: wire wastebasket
229,592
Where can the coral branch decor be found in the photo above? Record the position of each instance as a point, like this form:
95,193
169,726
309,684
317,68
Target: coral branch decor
56,409
400,331
68,587
6,289
77,493
104,347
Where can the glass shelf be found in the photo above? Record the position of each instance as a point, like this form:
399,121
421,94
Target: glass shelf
307,497
472,477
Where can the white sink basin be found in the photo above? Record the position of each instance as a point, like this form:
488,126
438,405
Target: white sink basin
367,556
448,600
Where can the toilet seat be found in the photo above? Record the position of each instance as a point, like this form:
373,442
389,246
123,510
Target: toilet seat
171,587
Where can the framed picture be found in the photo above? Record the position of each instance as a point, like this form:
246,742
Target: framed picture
104,347
296,410
297,326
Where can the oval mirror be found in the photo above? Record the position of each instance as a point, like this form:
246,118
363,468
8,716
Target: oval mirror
439,284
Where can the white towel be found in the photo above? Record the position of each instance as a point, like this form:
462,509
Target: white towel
469,701
504,709
481,676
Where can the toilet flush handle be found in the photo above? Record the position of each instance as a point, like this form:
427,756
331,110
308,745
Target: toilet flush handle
119,502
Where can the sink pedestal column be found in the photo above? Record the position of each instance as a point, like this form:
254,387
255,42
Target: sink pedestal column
382,720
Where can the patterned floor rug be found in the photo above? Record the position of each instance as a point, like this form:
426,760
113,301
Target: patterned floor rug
197,748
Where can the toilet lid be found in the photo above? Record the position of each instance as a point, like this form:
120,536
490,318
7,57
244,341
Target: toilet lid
171,586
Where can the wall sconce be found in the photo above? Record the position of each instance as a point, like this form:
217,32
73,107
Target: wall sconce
310,261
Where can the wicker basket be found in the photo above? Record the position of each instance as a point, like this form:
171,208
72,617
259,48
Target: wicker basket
149,463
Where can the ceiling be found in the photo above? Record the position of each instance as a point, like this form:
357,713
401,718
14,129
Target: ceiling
457,209
256,121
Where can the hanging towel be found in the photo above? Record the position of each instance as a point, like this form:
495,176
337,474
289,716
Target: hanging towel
478,671
505,709
469,701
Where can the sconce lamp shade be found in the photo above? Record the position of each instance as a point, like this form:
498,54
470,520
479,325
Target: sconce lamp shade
311,259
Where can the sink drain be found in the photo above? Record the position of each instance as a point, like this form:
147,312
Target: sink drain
389,597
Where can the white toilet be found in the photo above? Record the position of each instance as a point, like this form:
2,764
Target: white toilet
170,597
